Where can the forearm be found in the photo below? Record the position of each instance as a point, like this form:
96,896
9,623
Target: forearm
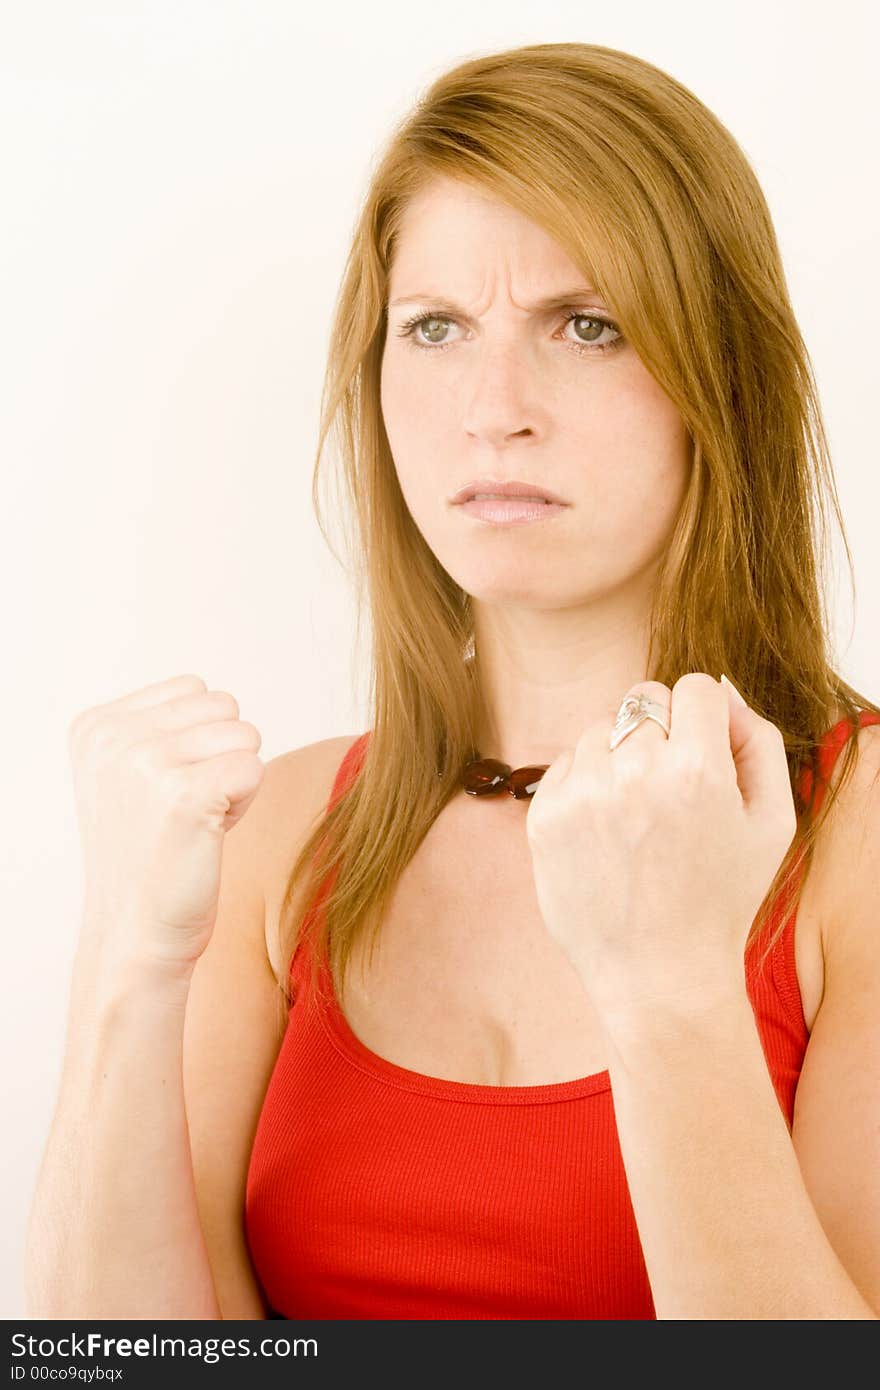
114,1230
726,1223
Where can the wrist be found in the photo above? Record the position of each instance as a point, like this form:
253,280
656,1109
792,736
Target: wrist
662,1029
120,961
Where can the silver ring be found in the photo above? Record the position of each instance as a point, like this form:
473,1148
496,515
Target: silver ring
634,710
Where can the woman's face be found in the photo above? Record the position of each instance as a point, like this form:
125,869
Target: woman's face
491,386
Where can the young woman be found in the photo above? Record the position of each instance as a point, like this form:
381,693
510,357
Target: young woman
402,1044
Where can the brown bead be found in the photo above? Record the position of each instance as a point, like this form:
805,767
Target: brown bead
523,781
485,777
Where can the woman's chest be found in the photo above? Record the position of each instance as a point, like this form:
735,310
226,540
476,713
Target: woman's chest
466,984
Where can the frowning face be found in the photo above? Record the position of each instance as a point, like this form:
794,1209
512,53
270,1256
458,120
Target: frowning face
497,382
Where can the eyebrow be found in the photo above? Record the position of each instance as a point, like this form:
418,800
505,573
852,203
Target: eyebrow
555,301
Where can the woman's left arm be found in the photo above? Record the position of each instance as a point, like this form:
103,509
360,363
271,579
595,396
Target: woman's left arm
737,1217
650,864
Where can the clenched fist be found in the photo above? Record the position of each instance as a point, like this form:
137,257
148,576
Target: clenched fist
160,775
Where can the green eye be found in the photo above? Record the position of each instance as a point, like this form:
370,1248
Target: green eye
408,330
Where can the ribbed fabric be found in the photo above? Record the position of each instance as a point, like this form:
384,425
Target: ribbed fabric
376,1192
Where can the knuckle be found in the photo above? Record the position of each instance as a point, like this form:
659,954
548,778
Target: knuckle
655,689
226,703
696,679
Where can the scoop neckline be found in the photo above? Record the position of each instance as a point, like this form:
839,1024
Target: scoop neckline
358,1054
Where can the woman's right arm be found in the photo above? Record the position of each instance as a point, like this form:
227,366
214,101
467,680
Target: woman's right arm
160,778
114,1227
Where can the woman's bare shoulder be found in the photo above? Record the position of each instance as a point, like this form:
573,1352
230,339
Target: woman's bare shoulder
294,792
320,759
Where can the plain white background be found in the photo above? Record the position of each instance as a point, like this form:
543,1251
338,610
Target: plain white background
179,181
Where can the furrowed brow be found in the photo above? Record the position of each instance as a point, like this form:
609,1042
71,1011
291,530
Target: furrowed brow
556,301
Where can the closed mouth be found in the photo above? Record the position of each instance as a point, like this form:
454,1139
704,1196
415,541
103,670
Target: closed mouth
485,492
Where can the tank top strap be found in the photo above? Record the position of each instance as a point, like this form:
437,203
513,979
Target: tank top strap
349,767
811,784
815,775
345,774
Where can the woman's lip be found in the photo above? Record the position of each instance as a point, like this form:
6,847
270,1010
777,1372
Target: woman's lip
511,489
502,510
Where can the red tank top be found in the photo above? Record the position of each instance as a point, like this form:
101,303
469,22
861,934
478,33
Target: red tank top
377,1192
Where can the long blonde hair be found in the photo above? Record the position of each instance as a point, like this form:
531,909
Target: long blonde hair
655,201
